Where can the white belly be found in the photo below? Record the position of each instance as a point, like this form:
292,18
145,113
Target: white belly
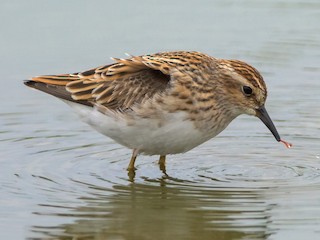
169,135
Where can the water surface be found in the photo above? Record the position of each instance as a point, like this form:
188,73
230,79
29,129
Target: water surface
61,180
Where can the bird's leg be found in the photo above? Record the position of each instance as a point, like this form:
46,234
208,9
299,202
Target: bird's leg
131,167
162,160
162,163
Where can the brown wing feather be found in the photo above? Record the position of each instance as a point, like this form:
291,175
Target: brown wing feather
55,90
128,90
115,86
126,82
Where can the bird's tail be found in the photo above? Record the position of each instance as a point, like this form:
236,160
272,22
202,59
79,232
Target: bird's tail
55,85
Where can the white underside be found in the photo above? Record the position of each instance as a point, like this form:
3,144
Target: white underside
148,136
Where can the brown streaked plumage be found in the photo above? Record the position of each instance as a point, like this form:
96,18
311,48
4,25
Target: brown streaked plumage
163,103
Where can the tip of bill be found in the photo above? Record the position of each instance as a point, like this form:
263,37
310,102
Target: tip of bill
287,144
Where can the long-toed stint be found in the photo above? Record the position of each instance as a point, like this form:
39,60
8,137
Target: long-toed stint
163,103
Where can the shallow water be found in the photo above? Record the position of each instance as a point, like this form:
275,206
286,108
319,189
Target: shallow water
61,180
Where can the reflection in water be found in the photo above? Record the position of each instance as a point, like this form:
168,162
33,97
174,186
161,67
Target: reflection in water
164,209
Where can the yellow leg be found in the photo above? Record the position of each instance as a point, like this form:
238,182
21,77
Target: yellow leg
132,160
162,160
162,163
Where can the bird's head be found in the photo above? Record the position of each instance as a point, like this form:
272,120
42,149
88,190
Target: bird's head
247,90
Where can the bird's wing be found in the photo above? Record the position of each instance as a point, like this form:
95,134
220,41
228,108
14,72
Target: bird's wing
127,82
115,86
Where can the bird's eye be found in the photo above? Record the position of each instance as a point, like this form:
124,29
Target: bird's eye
247,90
